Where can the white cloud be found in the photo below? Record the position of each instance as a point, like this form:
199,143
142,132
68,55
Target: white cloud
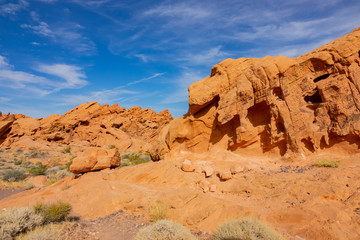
13,8
182,10
4,99
209,57
65,34
142,57
145,79
73,75
4,63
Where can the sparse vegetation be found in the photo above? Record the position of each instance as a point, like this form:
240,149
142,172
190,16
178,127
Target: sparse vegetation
36,153
131,159
47,232
157,211
246,229
14,176
165,230
67,149
328,164
55,212
18,220
38,169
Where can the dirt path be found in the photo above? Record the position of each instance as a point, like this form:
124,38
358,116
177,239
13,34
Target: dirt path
8,192
117,226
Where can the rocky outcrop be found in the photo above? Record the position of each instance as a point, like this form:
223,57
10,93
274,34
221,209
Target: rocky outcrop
274,104
93,159
128,130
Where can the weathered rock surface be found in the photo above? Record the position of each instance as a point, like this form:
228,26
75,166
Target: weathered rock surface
274,105
93,159
128,130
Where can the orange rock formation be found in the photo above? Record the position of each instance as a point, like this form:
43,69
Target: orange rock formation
90,125
274,104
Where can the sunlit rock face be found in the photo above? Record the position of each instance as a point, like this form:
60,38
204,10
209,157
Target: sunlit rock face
274,104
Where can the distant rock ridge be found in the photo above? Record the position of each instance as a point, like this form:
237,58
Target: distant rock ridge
273,105
90,124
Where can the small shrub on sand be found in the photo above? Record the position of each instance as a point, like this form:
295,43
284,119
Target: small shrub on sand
55,212
157,211
165,230
18,220
38,169
328,164
14,176
245,229
47,232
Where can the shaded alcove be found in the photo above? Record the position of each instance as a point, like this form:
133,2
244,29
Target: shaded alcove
322,77
308,144
259,114
315,98
278,93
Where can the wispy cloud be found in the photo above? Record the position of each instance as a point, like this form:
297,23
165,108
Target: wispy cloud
145,79
211,56
13,8
142,57
4,99
67,35
70,76
4,63
73,75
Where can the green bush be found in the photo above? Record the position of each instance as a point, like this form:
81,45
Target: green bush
245,229
38,169
14,176
18,220
55,212
165,230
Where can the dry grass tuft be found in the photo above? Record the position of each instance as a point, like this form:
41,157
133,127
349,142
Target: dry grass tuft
245,229
18,220
328,164
55,212
47,232
157,211
165,230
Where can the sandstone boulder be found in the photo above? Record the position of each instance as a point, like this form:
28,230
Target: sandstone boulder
208,171
95,159
187,166
226,175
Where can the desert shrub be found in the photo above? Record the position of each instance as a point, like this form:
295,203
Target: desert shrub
165,230
29,186
245,229
47,232
157,211
38,169
18,220
35,153
14,176
18,162
55,212
328,164
26,164
130,159
67,149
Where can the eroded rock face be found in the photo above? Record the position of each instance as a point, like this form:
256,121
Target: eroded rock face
93,159
273,104
128,130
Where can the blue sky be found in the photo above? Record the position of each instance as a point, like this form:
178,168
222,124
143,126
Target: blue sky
55,55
